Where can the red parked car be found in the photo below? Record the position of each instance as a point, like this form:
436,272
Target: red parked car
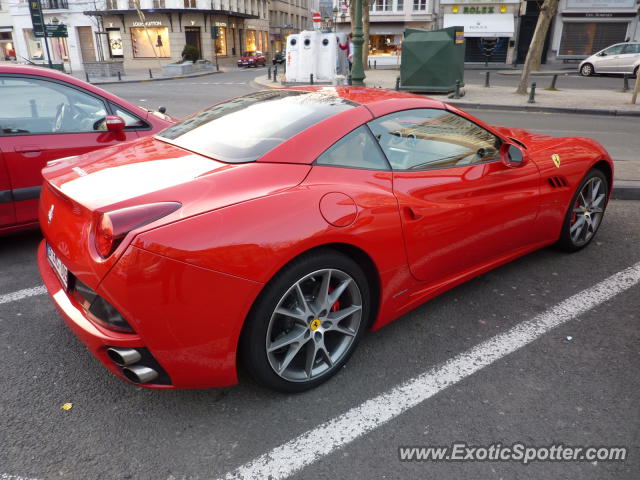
45,115
252,59
277,227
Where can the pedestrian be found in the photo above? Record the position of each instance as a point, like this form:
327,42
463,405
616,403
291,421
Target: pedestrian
350,52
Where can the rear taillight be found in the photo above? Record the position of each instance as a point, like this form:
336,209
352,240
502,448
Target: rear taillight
112,227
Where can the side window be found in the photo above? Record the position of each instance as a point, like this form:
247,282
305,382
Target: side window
632,48
423,139
131,121
358,149
615,50
34,106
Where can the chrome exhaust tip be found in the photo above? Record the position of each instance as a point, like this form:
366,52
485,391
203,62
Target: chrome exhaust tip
124,356
140,374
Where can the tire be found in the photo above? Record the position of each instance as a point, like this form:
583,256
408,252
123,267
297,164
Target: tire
299,351
586,70
585,212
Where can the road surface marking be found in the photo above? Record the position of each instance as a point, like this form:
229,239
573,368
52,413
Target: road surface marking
287,459
19,295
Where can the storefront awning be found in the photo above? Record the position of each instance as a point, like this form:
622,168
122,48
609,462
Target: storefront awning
485,25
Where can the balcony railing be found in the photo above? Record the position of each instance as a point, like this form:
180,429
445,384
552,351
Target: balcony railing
112,4
54,4
158,4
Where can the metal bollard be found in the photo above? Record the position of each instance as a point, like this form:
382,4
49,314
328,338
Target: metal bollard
457,92
269,73
553,82
375,64
532,93
311,78
119,77
275,73
86,75
486,79
350,80
369,63
150,74
284,67
397,83
625,85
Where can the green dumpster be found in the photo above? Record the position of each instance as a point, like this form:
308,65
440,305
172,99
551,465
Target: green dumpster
432,60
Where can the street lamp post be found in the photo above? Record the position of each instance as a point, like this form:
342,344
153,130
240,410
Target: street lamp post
357,69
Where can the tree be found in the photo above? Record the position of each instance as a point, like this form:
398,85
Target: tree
365,27
534,55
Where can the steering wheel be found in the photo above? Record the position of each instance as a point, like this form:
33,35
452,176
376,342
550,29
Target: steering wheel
61,112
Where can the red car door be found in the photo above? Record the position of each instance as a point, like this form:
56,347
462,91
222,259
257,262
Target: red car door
460,205
7,213
42,120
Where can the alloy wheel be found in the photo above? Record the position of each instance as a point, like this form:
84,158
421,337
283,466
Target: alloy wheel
587,211
314,325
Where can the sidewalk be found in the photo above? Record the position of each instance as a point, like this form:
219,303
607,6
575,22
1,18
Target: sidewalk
572,101
141,75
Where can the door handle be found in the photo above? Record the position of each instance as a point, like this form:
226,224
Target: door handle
411,214
34,149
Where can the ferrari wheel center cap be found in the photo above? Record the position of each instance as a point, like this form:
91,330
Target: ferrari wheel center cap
315,324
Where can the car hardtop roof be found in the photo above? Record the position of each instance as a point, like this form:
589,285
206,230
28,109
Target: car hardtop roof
368,96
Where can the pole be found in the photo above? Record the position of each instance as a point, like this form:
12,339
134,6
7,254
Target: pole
46,44
357,69
634,95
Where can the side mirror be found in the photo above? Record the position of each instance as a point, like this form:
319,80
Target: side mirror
512,156
114,123
602,54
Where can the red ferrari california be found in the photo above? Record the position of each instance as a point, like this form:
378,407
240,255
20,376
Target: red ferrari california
276,228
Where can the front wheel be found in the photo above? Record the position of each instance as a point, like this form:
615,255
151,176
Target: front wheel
307,322
585,212
586,70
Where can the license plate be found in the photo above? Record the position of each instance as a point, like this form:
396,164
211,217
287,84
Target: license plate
58,267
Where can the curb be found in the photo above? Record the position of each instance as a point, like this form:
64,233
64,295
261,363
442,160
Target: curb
628,191
583,111
159,79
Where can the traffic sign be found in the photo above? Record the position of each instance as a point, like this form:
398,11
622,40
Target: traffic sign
59,30
35,8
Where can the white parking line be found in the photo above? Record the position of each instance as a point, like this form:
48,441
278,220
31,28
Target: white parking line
6,476
285,460
19,295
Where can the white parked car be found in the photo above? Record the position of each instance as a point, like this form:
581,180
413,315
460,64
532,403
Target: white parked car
618,58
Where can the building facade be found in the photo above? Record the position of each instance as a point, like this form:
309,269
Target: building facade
157,32
583,27
287,17
68,51
490,27
7,43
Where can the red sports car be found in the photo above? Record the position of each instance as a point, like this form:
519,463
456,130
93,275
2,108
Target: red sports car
276,228
252,59
45,115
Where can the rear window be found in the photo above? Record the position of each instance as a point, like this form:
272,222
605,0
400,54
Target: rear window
245,128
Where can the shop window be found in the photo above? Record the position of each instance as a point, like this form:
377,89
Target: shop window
35,46
150,42
221,41
7,48
259,34
384,44
266,41
419,4
115,42
584,39
251,41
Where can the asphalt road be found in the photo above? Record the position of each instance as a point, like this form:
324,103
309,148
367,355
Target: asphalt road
576,384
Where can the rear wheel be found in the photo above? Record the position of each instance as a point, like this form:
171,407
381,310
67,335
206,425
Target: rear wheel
307,323
586,70
585,212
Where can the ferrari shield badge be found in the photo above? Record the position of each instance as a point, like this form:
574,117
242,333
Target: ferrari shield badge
556,160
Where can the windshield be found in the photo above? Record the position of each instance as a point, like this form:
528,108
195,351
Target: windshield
245,128
249,54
